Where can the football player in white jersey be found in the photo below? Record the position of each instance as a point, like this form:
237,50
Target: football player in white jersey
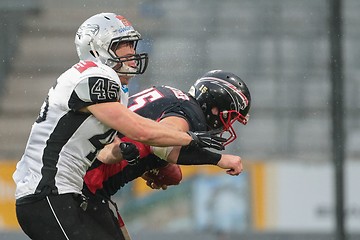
81,114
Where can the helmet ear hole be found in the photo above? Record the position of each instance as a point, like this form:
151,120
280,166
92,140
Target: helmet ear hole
215,111
93,54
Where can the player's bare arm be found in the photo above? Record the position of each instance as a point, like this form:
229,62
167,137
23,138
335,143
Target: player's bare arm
138,128
111,153
114,115
231,163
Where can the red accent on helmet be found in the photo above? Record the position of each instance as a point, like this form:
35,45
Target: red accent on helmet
124,20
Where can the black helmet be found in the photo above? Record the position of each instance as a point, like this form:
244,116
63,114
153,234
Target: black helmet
226,92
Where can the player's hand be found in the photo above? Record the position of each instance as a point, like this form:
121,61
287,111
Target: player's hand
162,177
129,152
231,163
153,185
208,139
148,176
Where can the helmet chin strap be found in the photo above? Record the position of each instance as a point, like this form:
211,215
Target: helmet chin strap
129,70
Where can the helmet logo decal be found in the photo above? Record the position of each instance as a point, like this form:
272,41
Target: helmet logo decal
203,89
89,29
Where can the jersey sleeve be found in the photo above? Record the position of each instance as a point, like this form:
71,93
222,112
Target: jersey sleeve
92,90
175,111
190,112
107,179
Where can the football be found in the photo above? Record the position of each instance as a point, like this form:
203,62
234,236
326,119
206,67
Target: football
168,175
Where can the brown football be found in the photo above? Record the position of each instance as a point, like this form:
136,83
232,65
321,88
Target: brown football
169,175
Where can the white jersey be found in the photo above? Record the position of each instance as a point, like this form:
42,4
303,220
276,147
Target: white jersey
63,141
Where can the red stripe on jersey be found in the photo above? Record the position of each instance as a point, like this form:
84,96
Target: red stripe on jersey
94,178
83,65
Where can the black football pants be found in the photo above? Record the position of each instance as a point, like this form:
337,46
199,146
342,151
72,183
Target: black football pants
60,217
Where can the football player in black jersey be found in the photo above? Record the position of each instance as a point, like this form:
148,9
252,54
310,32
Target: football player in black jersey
82,113
214,102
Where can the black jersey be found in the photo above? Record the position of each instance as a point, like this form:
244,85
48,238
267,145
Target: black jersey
163,101
155,103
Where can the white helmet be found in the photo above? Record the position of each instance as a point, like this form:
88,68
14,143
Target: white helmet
99,35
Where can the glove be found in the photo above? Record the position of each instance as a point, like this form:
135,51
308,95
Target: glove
130,152
207,140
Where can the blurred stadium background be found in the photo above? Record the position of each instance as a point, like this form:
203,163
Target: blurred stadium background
280,48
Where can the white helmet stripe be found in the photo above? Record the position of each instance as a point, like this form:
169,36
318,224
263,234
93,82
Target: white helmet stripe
231,86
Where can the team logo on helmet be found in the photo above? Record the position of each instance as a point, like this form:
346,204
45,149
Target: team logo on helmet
88,29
